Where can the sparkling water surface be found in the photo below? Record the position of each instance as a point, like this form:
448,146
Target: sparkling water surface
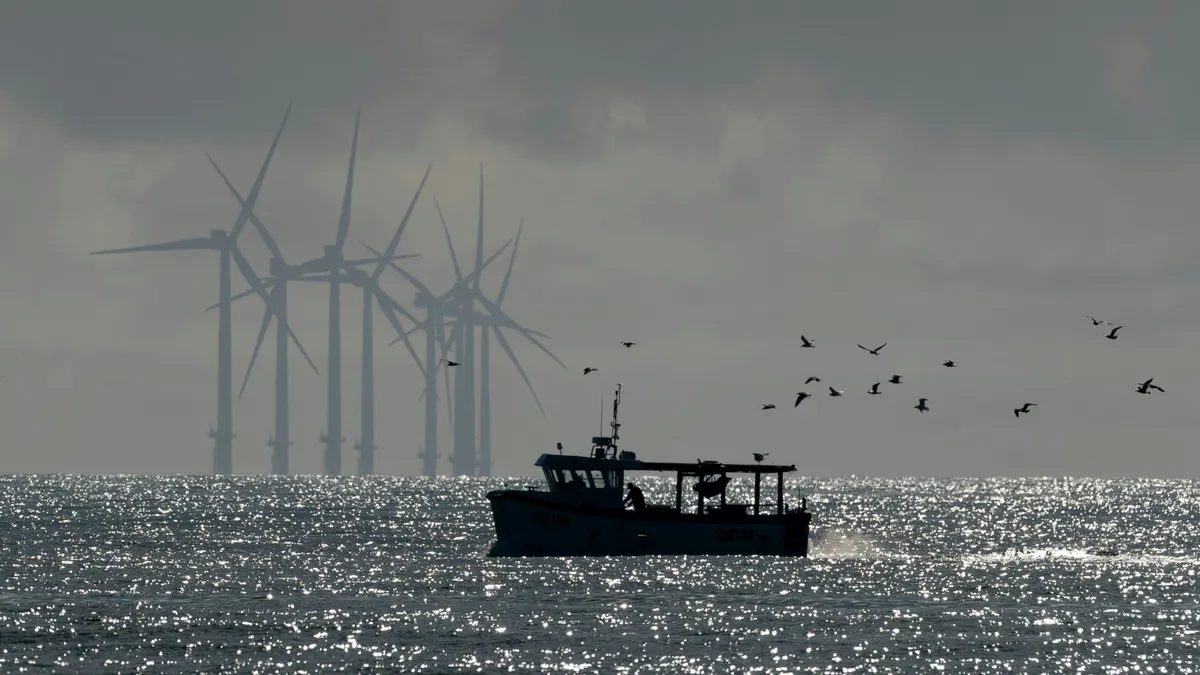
317,575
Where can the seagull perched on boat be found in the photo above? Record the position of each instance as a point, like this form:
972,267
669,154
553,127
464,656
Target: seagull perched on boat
875,389
627,345
895,379
589,369
450,363
921,405
814,378
874,351
800,397
1097,322
1023,409
806,342
949,363
835,392
1145,387
760,456
1112,335
768,406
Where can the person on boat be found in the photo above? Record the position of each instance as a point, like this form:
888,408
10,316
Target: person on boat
635,498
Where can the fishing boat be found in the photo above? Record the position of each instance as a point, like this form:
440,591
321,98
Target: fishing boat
583,509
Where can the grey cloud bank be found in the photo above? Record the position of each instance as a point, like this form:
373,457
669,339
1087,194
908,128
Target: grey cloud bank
961,180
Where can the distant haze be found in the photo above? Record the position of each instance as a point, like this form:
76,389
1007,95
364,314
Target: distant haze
709,179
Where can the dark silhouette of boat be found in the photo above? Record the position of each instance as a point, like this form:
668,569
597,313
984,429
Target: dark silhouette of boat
583,510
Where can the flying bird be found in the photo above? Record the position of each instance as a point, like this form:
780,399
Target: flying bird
800,397
895,379
949,363
814,378
1145,387
1097,322
1113,333
806,342
768,406
921,406
628,344
760,456
835,392
875,389
1023,409
874,351
450,363
589,369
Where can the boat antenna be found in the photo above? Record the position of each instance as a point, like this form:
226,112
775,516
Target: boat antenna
615,424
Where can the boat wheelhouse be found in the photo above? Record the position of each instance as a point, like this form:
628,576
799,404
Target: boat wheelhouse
583,510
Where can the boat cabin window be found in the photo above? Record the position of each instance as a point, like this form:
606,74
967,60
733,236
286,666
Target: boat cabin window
594,479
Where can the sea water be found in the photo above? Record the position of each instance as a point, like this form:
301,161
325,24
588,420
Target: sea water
320,575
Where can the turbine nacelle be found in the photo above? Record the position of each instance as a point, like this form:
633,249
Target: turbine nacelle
219,236
423,299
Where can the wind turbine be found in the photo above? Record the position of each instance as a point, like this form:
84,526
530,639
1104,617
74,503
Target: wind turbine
461,308
331,264
372,292
435,307
226,244
494,320
490,323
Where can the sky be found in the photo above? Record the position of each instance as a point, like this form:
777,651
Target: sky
960,180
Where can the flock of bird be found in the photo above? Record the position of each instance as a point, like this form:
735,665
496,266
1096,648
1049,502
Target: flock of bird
922,404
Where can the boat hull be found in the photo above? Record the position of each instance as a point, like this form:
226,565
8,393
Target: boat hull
530,523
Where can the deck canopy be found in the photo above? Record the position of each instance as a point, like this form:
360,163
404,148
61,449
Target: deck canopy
550,461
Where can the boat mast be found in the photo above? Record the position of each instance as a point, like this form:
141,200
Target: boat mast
615,424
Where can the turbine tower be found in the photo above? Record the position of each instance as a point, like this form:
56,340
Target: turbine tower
226,244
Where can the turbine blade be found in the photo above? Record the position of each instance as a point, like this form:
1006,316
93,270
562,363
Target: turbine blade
268,314
324,278
195,244
449,243
390,315
467,279
512,259
252,198
386,299
258,226
344,220
411,279
391,247
513,357
479,230
248,292
368,261
248,274
498,313
300,346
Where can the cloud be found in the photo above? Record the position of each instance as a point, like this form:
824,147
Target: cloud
959,182
547,78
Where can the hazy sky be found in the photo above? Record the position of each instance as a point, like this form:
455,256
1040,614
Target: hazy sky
710,179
